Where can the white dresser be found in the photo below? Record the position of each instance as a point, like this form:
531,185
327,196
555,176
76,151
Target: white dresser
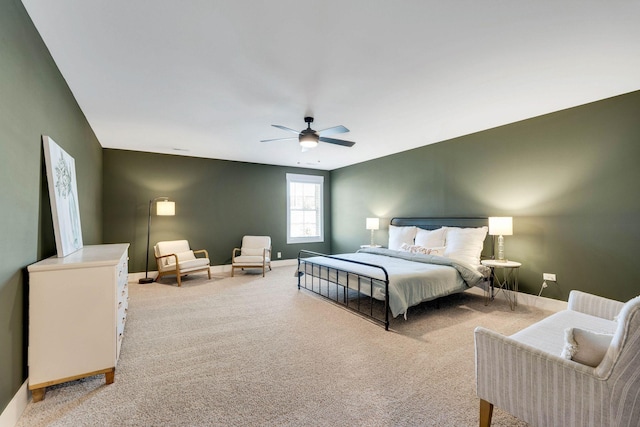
77,312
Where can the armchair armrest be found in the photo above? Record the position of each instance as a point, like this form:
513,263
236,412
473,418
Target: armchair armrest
594,305
166,256
234,253
201,251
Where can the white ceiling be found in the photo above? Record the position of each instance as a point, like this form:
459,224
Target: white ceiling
207,78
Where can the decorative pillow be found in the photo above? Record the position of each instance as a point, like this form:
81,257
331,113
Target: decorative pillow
400,235
411,248
430,238
417,249
586,347
439,251
465,244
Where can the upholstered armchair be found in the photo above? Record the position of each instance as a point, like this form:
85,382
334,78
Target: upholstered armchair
176,258
579,367
254,253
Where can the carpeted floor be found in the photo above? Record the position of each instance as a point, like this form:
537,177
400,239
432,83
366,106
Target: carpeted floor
254,351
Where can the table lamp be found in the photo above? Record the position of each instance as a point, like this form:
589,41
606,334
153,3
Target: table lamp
373,224
500,226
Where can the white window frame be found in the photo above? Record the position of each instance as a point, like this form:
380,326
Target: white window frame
306,179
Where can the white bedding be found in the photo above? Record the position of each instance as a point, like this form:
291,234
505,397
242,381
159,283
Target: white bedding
413,278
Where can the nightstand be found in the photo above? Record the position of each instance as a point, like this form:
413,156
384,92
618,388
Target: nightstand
508,283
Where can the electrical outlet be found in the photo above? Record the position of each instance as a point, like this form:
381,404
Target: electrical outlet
549,276
280,255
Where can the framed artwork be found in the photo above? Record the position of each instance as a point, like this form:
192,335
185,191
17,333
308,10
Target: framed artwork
63,193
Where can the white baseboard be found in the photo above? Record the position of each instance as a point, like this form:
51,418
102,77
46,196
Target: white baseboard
531,300
215,269
15,408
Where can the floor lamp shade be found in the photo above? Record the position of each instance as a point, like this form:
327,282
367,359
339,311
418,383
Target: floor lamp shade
164,207
500,226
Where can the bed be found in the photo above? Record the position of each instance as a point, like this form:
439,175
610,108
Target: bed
426,258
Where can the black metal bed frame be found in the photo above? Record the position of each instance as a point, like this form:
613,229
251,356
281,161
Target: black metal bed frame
316,278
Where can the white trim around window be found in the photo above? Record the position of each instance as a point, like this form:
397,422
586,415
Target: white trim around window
305,214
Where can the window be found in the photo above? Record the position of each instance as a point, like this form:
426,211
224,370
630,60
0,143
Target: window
304,208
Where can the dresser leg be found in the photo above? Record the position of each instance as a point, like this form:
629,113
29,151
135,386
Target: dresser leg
109,376
38,394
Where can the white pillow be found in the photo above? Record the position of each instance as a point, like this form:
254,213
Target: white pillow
430,238
465,244
586,347
400,235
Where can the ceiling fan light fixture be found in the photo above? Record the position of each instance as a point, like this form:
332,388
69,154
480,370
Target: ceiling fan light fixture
308,140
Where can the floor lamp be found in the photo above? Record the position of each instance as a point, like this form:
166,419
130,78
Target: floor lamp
163,208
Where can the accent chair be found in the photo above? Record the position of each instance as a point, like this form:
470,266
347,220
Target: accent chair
254,253
579,367
175,257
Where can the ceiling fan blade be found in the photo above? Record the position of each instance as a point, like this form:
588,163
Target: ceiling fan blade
287,129
333,130
279,139
337,141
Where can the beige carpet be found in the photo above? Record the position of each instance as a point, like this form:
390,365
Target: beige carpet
249,350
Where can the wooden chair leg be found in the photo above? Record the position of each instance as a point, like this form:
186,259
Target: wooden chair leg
178,274
486,411
209,272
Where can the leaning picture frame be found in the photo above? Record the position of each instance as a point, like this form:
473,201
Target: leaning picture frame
63,195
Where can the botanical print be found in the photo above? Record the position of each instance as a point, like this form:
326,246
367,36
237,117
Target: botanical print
63,192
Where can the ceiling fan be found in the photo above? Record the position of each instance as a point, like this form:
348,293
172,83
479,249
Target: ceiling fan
309,138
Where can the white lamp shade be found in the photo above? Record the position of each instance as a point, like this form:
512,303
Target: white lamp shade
500,225
166,208
373,223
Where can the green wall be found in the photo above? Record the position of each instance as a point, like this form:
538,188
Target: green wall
217,202
569,179
34,100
